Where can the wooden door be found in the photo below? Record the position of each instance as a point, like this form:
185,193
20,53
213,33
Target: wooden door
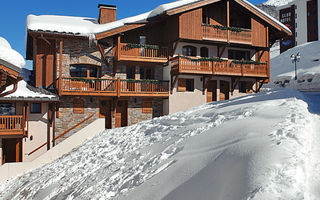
224,90
105,112
11,150
122,114
212,91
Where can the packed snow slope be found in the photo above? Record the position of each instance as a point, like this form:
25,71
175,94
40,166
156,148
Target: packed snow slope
262,146
308,68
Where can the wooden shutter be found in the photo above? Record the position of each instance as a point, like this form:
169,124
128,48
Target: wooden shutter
147,107
78,106
181,85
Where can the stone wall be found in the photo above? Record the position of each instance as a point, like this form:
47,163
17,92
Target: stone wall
67,118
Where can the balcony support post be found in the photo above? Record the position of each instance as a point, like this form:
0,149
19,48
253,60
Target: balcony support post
173,83
60,67
234,85
228,20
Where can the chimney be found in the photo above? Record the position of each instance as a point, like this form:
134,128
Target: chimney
107,13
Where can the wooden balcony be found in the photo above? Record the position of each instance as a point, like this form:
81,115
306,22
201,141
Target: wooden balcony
12,125
141,53
182,65
114,87
233,35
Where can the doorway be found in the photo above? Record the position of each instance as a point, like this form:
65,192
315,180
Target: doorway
105,112
224,90
11,150
212,91
121,114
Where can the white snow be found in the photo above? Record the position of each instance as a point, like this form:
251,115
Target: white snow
85,26
261,146
23,92
9,55
308,68
277,3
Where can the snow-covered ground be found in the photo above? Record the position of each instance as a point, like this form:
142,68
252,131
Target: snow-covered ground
308,68
262,146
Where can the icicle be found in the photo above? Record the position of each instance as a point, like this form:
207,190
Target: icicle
92,40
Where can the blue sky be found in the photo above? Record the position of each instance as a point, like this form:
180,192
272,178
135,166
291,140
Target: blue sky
14,13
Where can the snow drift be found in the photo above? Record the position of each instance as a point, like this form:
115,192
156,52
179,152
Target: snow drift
253,147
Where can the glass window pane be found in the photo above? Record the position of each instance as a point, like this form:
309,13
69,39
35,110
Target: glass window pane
93,72
35,108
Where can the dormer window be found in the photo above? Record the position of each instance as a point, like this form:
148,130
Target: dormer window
189,51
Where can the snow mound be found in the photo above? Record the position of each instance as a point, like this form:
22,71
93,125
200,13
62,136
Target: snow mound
277,3
9,55
254,147
308,68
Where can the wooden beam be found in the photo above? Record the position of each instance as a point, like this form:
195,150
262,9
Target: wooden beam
60,66
12,73
175,48
223,49
102,55
190,7
234,85
207,83
115,31
228,20
47,41
48,128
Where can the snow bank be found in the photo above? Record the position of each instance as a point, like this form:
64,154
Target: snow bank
9,55
308,69
84,26
253,147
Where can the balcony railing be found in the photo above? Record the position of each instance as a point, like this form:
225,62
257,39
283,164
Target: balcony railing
186,65
12,125
114,87
236,35
142,53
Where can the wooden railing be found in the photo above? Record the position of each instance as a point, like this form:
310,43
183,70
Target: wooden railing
12,124
130,52
143,86
213,33
223,67
241,37
114,87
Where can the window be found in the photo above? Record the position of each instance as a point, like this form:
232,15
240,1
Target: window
147,107
35,108
189,51
204,52
185,85
239,55
7,109
143,40
84,70
205,18
146,73
78,106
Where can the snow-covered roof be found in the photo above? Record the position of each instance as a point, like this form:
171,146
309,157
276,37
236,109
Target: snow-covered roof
84,26
27,92
277,3
8,55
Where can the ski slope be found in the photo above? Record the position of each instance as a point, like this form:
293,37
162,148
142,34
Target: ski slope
262,146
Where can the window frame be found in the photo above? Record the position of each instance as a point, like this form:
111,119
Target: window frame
189,50
88,66
35,112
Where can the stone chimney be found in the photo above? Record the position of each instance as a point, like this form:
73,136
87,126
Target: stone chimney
107,13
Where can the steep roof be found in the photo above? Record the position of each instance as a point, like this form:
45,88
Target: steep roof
89,27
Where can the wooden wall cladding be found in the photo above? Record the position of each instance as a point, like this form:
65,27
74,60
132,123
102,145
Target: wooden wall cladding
45,62
78,106
147,107
259,33
190,26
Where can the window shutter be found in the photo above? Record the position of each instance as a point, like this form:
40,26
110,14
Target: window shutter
181,85
147,107
78,106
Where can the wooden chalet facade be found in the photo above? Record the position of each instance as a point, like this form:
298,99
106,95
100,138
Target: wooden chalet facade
183,56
